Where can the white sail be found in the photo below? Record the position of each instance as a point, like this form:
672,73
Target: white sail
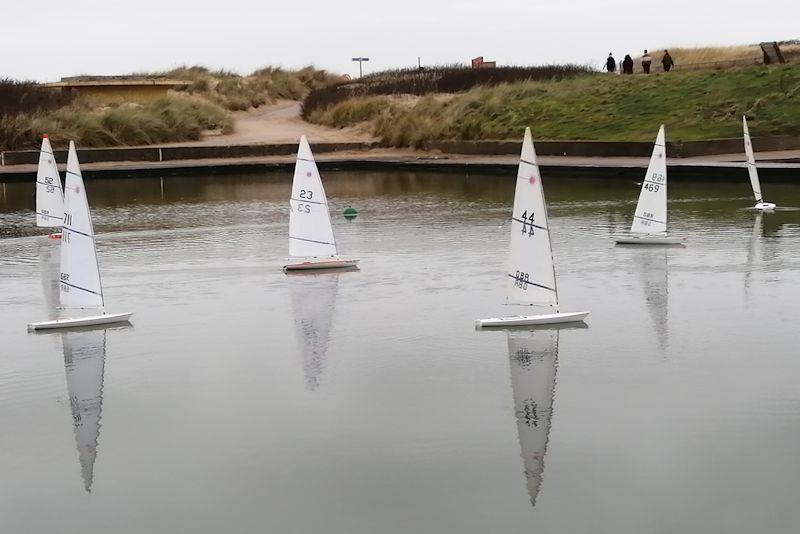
531,276
80,276
84,362
310,230
651,210
49,195
751,162
533,357
313,302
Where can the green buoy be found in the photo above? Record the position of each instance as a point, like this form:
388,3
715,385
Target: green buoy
350,212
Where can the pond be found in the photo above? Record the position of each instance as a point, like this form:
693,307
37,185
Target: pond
244,400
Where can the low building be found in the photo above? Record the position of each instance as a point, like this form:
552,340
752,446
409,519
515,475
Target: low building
112,89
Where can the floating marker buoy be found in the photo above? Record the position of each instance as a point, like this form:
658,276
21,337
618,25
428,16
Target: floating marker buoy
350,212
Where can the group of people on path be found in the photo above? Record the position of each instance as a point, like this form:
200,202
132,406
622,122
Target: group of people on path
626,65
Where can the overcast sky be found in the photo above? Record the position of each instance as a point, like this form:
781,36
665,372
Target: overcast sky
47,39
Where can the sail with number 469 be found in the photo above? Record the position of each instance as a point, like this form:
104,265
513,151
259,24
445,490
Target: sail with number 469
649,226
530,275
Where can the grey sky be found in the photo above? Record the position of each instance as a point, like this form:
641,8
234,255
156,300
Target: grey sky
48,39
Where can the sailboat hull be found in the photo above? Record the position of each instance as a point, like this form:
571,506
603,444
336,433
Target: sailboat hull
108,318
650,240
530,320
764,206
320,264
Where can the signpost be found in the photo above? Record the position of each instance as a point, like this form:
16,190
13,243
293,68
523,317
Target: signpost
360,61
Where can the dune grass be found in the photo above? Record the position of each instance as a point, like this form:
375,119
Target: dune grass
167,120
693,105
235,92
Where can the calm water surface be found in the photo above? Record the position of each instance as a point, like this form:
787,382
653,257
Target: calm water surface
245,400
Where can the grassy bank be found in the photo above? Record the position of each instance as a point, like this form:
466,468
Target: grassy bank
693,105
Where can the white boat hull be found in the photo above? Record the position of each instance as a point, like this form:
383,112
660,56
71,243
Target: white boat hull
320,264
106,318
764,206
650,240
530,320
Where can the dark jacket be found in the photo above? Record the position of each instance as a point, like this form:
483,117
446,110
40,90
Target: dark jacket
611,65
627,65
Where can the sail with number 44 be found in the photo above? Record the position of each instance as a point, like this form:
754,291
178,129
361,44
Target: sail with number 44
651,210
80,285
49,196
531,275
310,230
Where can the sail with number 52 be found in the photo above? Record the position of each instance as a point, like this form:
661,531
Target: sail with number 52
80,276
651,210
49,196
310,230
531,276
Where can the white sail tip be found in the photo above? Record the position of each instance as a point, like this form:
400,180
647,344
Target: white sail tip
304,150
528,152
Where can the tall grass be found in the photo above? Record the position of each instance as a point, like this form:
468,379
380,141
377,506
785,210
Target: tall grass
448,79
167,120
238,93
696,58
693,105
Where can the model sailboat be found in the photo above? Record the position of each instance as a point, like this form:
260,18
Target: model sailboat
311,241
49,195
80,288
531,275
649,225
753,171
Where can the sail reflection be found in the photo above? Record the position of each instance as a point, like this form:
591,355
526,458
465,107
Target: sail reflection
654,272
313,302
84,363
753,252
49,263
533,358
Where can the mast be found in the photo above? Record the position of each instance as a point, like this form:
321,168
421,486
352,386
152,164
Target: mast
752,170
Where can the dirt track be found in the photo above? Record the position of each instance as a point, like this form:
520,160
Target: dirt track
279,123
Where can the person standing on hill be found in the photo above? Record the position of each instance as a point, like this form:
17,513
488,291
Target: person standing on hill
646,61
627,65
611,64
667,61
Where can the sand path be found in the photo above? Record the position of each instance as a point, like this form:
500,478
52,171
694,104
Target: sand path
279,123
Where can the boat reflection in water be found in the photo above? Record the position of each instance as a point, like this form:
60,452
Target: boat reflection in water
653,266
533,358
49,264
84,363
313,302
